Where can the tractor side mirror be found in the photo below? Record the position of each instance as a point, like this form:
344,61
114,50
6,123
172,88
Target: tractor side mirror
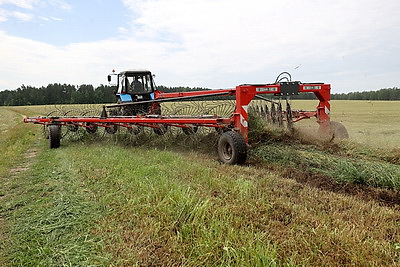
109,78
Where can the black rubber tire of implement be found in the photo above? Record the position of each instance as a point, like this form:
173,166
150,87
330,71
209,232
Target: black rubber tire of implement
54,135
232,148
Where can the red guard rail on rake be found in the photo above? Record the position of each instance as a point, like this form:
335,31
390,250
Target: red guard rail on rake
233,141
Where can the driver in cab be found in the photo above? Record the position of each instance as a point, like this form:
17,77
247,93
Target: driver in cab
136,85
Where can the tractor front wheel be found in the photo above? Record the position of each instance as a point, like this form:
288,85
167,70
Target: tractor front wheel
54,135
232,148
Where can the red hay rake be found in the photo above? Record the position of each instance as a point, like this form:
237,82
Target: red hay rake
136,110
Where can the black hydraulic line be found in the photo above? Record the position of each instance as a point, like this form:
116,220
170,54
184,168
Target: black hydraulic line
166,99
278,79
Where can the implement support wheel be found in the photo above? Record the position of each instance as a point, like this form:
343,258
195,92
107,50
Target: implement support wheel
54,135
232,148
338,131
335,131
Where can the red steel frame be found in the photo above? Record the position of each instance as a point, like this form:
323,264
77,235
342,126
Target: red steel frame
238,122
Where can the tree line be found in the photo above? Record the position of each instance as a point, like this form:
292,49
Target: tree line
87,94
382,94
57,94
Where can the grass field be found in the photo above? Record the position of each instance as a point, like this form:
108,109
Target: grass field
375,123
169,201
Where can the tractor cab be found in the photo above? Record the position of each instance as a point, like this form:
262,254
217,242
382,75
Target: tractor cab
134,86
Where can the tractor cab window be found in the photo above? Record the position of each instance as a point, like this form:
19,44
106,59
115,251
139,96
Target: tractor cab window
133,83
139,84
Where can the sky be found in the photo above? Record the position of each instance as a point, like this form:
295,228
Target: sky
352,44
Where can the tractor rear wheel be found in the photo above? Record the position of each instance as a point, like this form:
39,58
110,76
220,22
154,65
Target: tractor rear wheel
232,148
54,135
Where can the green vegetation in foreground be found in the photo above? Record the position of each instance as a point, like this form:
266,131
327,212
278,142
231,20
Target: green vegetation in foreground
98,203
339,166
107,204
146,207
340,161
15,138
170,210
50,216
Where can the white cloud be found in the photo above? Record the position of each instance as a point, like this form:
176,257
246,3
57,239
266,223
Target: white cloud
50,18
36,63
218,36
221,43
5,15
27,4
60,4
21,16
55,19
31,5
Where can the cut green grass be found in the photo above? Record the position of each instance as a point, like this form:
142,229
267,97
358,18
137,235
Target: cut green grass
13,142
341,161
341,169
170,202
174,206
50,215
106,204
162,208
